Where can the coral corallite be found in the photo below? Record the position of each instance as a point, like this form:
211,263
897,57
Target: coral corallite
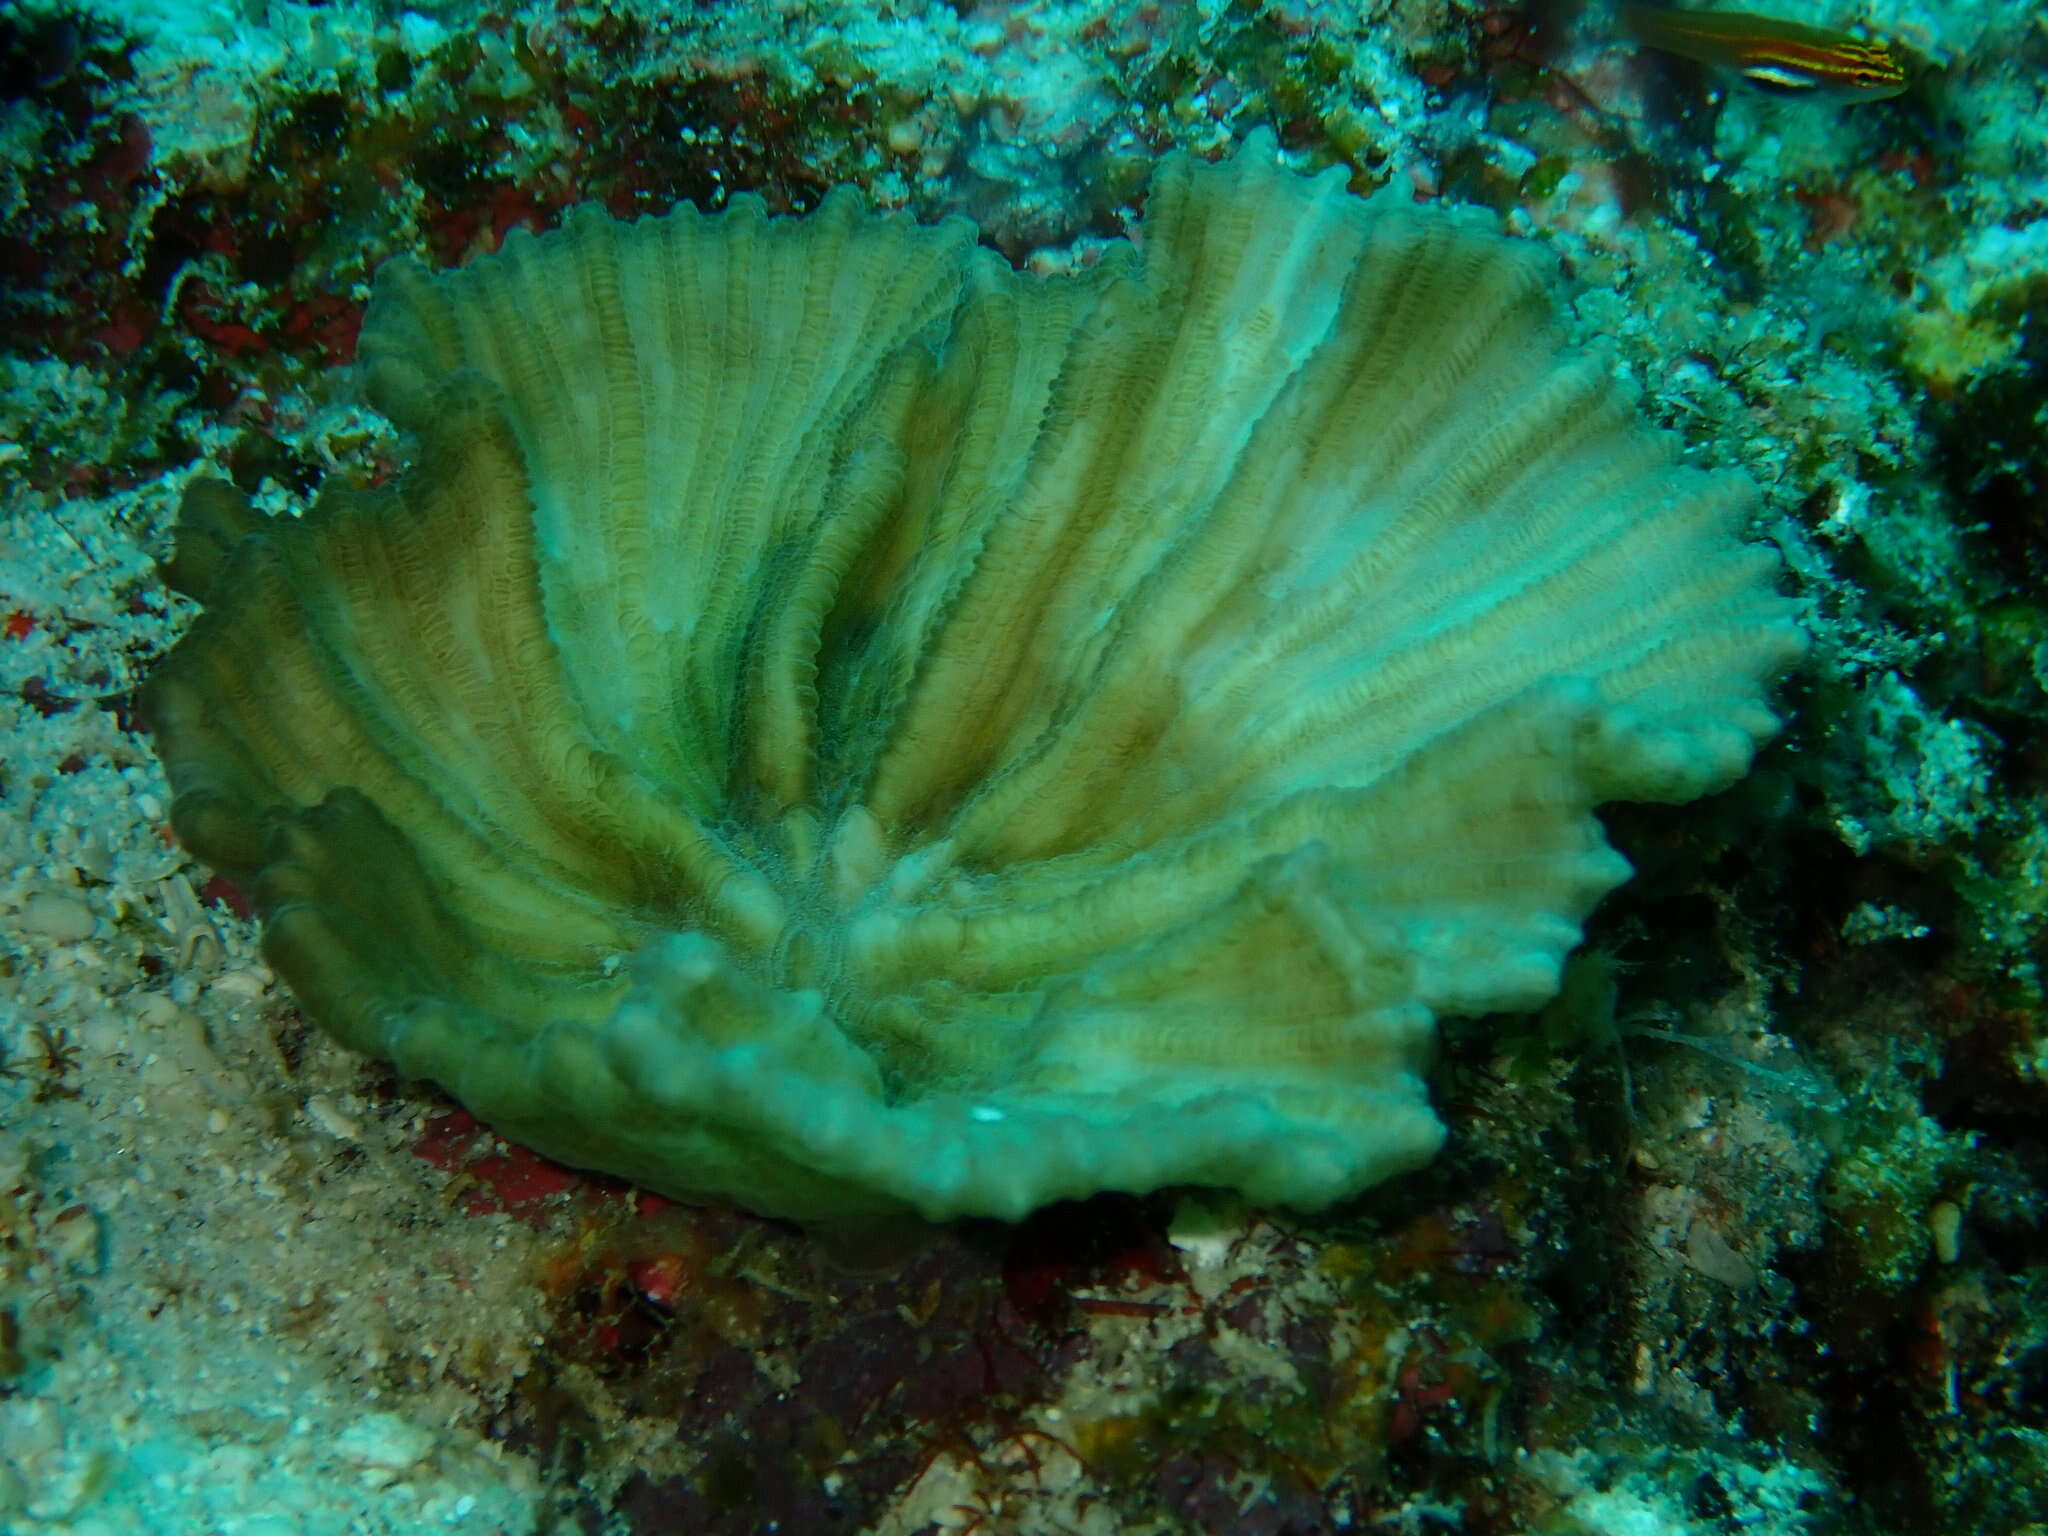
831,722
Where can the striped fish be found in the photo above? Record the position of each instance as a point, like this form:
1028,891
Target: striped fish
1781,57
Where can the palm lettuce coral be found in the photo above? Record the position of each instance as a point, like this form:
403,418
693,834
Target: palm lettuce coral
832,722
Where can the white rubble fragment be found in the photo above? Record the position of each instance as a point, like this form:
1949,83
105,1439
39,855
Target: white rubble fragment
384,1442
53,916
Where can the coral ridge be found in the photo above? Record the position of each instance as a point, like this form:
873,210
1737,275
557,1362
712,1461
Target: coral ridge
831,722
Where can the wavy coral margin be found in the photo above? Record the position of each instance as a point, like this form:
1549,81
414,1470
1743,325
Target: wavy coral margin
836,724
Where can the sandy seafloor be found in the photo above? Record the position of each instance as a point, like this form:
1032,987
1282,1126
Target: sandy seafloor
236,1298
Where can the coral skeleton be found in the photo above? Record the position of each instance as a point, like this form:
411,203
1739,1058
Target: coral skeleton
830,722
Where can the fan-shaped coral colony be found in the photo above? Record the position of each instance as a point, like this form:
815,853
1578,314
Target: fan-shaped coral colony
831,722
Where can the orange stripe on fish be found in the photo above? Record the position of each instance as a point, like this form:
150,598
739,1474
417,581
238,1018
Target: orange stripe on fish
1783,57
